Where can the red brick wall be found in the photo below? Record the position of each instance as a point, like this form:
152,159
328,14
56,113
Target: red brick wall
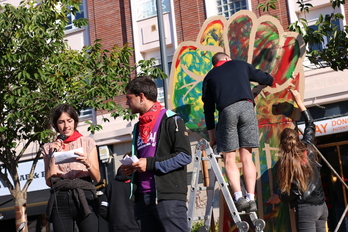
281,11
110,21
189,16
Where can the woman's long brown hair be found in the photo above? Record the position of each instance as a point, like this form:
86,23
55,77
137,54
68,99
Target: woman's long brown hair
294,166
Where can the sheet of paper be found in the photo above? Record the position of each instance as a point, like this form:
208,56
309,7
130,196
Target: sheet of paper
61,157
128,160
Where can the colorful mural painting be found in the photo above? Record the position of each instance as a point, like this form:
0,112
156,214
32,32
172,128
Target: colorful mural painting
263,43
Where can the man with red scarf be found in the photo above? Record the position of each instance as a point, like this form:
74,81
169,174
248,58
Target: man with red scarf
159,178
227,88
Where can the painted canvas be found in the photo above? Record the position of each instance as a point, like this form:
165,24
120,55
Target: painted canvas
263,43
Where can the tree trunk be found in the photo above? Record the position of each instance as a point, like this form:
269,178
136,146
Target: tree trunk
20,211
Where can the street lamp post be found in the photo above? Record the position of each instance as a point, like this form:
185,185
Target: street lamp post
163,50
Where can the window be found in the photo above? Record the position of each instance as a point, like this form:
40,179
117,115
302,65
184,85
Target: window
147,8
319,47
228,7
72,17
86,114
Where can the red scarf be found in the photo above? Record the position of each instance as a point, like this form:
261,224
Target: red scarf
71,138
148,120
220,62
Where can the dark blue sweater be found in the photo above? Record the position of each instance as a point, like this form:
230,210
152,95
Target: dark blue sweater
227,84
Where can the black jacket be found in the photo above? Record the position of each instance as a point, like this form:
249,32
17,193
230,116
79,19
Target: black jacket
315,194
173,154
116,207
77,186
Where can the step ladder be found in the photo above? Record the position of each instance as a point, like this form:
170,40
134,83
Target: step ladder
205,153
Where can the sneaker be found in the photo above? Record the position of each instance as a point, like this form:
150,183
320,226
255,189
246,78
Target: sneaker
252,206
242,204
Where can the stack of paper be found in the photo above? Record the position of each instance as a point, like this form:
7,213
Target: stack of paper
129,160
61,157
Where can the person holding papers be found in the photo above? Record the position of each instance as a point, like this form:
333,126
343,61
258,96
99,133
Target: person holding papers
73,194
161,143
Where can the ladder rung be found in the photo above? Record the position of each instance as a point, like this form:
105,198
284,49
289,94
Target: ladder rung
205,188
208,158
202,188
200,218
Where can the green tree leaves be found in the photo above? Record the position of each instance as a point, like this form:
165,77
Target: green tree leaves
326,32
38,71
335,50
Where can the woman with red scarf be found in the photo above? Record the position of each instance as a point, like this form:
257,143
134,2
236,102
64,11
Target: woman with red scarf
73,194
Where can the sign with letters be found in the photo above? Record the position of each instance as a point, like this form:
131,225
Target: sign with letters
38,182
148,8
329,126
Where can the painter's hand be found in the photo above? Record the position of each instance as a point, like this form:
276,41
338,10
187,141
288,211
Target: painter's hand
296,95
297,98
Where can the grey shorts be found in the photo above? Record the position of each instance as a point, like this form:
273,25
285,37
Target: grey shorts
237,127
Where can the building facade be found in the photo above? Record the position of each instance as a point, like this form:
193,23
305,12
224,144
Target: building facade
135,22
326,91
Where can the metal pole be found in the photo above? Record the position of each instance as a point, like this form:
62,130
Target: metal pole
329,165
162,41
341,220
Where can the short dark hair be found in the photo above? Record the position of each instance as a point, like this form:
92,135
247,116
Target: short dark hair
145,85
217,57
63,108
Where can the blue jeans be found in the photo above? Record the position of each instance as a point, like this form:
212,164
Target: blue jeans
311,218
166,215
66,212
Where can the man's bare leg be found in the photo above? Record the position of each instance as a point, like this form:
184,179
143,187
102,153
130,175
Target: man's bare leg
249,169
233,176
249,172
232,171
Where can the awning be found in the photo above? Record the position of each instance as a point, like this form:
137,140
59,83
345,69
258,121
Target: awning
329,126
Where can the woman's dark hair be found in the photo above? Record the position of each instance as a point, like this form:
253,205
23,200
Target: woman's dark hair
145,85
63,108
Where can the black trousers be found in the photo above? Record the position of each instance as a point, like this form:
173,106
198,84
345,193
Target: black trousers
65,213
164,216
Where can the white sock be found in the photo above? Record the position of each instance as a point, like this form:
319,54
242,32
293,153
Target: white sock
250,197
238,195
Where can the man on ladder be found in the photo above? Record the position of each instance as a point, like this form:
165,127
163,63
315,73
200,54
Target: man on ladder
205,153
227,88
